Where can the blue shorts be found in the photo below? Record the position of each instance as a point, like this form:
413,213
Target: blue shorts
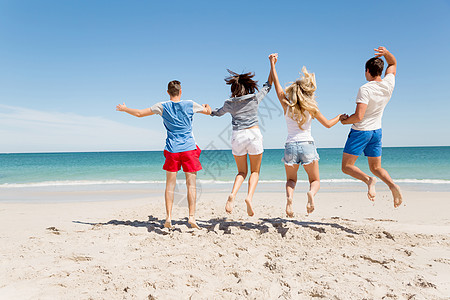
300,153
360,141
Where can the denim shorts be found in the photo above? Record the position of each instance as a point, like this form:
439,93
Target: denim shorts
300,153
360,141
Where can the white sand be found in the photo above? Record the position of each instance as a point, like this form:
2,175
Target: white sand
347,249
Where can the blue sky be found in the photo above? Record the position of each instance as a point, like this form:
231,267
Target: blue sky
66,64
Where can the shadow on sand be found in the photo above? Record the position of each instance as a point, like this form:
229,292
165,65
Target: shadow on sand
156,225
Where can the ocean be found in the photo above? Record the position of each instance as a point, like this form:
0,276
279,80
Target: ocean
412,165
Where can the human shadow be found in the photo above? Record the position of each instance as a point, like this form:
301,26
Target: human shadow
227,225
153,224
278,222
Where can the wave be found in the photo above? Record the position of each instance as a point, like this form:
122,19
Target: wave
74,183
429,181
201,181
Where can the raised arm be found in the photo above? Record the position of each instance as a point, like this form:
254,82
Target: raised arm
390,59
265,89
280,92
135,112
325,122
270,79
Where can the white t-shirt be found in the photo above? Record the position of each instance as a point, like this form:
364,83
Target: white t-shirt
295,134
376,95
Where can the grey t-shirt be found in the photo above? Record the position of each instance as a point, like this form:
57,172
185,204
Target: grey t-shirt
244,109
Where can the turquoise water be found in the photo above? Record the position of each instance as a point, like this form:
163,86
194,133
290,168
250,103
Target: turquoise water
405,164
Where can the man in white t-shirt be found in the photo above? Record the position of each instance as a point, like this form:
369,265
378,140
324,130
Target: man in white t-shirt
365,134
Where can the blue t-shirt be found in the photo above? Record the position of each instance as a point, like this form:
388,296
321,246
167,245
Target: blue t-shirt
177,118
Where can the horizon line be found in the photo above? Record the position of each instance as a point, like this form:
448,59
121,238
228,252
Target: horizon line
115,151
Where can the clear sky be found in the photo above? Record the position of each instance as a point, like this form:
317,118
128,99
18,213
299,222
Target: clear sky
64,65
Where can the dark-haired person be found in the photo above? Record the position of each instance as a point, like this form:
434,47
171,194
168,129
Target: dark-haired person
365,134
181,149
246,137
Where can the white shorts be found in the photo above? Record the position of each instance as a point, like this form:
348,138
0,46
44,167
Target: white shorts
247,141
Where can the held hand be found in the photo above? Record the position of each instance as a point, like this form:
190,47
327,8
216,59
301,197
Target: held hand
273,58
343,117
380,51
208,108
121,107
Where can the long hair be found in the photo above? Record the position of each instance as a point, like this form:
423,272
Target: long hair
241,84
301,98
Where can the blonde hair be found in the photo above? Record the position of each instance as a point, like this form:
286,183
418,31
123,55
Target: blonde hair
301,98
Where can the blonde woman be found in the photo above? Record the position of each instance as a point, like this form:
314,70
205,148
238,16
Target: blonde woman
300,107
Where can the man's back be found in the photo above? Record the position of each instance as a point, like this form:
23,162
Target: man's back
177,118
376,94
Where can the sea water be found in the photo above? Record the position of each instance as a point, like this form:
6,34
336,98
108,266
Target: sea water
414,165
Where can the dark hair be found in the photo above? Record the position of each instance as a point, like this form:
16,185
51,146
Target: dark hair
241,84
174,88
375,66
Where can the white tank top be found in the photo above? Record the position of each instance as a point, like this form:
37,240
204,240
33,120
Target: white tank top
295,134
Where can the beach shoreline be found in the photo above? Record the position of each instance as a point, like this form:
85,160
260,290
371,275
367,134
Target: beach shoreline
88,192
348,248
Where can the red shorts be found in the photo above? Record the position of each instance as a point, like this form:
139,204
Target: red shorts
188,159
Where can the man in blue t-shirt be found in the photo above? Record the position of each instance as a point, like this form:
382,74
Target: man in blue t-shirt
181,149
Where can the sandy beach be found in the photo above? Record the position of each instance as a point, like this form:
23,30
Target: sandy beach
348,248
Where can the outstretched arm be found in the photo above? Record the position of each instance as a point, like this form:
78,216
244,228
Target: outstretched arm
218,112
357,116
280,93
390,59
206,109
325,122
201,109
135,112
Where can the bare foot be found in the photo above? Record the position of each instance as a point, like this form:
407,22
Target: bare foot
192,222
229,205
310,204
371,188
250,211
397,195
289,211
168,224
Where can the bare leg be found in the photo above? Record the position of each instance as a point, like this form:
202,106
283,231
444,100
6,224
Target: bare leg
191,195
312,170
241,163
291,181
377,170
349,168
255,166
171,181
